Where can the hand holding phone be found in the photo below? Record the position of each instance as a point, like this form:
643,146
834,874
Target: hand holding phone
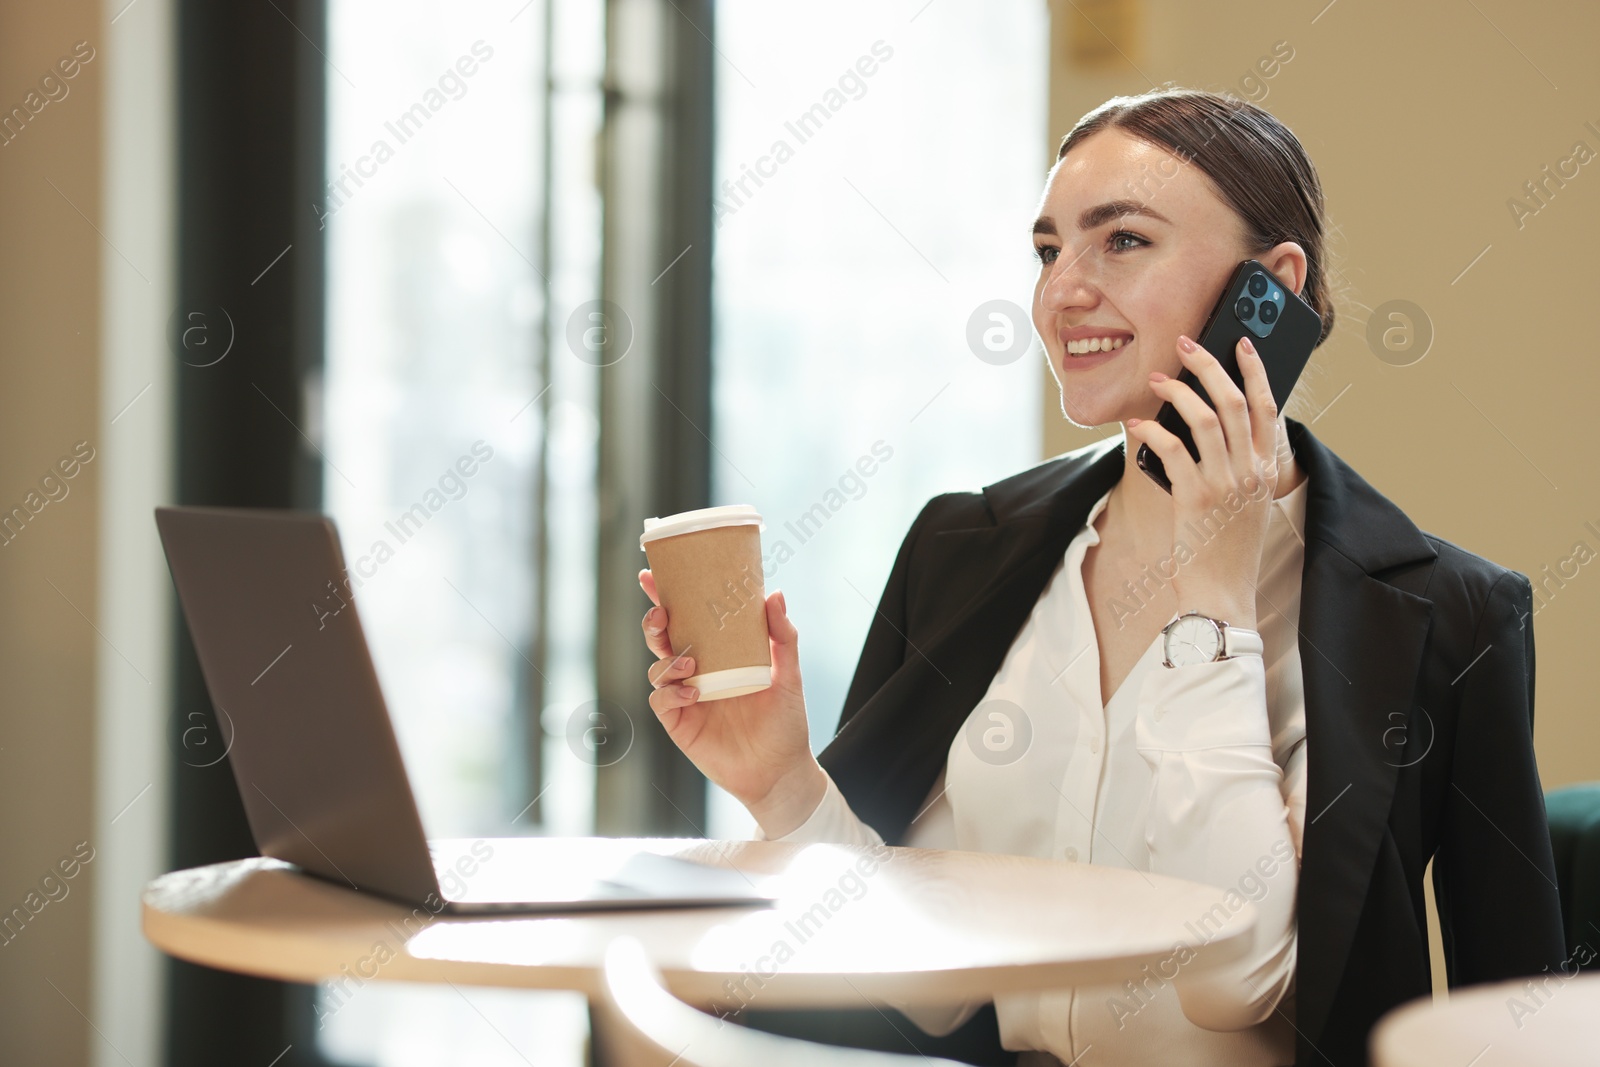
1283,328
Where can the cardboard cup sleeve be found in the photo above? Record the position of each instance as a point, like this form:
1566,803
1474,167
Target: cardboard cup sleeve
707,566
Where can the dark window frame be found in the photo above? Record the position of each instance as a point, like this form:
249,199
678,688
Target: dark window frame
250,155
656,166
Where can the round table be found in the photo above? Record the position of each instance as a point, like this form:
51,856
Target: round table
889,925
1549,1021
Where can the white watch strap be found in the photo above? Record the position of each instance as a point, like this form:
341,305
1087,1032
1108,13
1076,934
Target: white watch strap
1237,641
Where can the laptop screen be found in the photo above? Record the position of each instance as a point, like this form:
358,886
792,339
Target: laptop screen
284,658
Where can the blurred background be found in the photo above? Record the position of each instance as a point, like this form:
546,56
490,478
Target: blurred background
652,255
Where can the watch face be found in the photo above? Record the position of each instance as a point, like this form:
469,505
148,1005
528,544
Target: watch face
1193,639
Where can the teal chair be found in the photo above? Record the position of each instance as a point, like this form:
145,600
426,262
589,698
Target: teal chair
1574,814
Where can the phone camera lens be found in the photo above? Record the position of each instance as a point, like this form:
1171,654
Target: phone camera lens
1258,285
1244,308
1269,313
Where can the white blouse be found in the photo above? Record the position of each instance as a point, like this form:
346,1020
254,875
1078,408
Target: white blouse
1197,772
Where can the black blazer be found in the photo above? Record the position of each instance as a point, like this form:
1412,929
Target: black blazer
1418,662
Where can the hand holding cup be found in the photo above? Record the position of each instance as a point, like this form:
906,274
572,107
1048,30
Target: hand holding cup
743,722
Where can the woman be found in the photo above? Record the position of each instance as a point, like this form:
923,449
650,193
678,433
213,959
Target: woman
1383,718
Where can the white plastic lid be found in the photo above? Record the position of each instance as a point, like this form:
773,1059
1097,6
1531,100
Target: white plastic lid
703,519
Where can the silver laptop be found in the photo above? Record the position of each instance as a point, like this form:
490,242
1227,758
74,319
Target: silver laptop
314,753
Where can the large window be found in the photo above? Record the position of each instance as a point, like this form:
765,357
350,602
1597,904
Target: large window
878,170
463,228
460,434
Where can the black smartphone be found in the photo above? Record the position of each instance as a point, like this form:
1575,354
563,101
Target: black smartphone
1283,328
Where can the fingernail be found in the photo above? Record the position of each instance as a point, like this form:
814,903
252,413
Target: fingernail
1244,342
1184,343
688,690
1157,376
1134,422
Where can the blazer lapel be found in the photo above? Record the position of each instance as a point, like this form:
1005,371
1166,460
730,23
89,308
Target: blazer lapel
1361,643
967,569
974,589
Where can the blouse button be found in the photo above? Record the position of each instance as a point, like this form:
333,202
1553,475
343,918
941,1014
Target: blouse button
1071,853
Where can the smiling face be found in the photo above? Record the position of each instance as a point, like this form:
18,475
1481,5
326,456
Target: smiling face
1135,246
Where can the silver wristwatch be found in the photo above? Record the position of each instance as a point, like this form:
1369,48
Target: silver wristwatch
1196,638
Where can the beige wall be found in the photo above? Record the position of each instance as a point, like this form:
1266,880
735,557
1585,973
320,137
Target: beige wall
1423,121
85,293
49,401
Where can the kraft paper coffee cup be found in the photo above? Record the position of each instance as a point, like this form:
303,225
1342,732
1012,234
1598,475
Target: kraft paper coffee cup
707,566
